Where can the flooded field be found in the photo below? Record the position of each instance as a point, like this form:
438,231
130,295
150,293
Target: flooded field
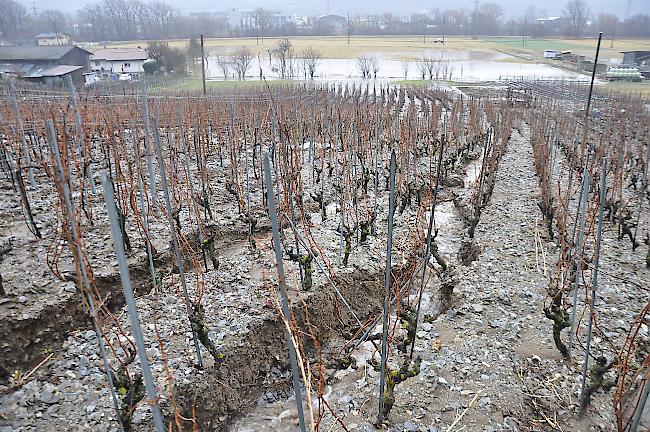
465,66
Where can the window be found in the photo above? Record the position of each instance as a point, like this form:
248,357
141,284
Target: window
127,64
96,62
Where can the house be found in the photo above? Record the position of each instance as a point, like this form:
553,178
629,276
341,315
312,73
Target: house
53,39
41,63
110,61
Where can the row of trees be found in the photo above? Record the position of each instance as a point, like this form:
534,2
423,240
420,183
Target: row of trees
107,20
285,61
427,68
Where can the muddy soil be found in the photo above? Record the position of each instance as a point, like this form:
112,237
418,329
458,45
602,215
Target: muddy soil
488,363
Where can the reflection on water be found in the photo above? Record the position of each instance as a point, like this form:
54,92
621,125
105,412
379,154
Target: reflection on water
467,66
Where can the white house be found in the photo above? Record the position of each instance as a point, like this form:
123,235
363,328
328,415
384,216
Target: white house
109,61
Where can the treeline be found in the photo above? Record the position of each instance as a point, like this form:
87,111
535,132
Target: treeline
109,20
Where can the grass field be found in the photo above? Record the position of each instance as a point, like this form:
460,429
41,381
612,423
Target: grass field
333,46
581,46
195,85
408,46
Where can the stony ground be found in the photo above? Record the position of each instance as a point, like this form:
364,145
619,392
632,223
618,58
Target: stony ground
489,363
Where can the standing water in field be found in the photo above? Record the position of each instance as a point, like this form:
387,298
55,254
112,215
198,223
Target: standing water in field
465,66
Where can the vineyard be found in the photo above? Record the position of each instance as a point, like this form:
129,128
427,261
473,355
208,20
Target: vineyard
331,257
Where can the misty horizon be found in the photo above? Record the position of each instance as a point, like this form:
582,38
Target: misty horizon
512,8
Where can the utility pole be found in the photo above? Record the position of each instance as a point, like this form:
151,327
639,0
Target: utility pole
203,65
424,29
348,28
523,33
474,17
444,25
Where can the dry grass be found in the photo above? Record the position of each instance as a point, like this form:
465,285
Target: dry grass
336,46
410,46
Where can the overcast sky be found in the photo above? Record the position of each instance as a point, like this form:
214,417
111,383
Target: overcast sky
622,8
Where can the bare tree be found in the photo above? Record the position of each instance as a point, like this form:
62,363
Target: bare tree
364,63
97,27
488,18
263,21
608,23
224,65
444,69
432,65
423,68
53,20
284,58
241,61
375,66
12,17
406,65
310,58
576,13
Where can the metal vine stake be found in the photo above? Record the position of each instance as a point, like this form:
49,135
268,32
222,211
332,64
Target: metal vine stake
389,246
284,301
594,285
129,297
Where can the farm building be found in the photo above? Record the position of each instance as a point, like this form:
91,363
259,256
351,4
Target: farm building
638,59
53,39
52,76
118,61
333,23
635,58
41,63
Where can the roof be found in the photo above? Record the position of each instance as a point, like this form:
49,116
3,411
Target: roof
51,35
114,54
332,17
60,70
32,53
27,70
